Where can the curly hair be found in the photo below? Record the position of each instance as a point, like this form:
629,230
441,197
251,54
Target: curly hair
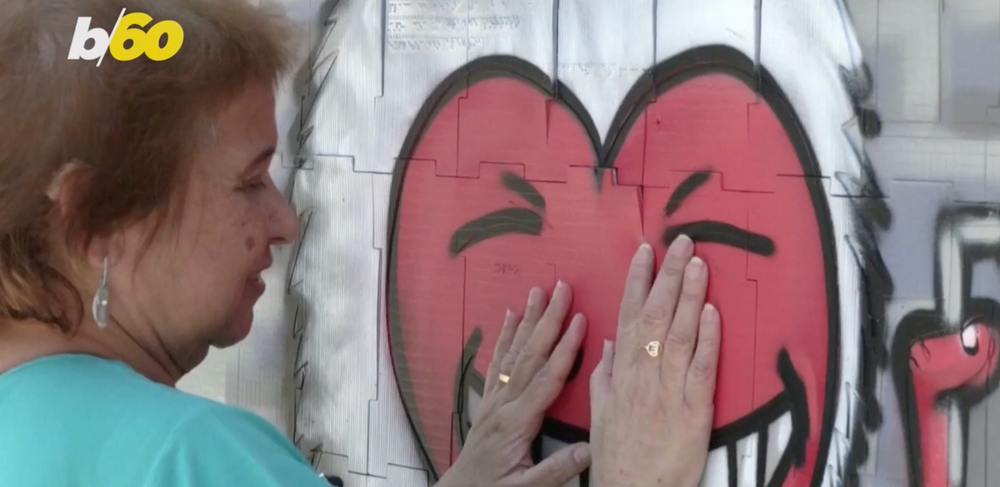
133,127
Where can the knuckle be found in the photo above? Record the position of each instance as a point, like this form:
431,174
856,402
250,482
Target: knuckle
692,294
560,468
630,304
493,370
677,340
551,317
548,377
709,343
654,316
543,376
510,357
630,311
531,314
529,356
634,270
673,266
702,370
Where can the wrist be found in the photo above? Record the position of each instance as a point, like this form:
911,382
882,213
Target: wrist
451,478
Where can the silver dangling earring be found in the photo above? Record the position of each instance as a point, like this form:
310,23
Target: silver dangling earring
100,306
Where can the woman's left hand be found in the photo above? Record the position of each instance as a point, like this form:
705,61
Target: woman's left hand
498,449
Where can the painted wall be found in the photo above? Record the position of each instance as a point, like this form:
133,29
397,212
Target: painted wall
835,160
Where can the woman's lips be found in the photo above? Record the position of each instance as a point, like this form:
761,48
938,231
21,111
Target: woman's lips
256,286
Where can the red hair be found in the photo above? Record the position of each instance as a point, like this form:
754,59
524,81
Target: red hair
133,126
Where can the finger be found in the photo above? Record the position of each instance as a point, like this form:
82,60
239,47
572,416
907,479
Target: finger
548,382
532,312
500,350
543,338
600,379
683,332
699,387
559,468
640,276
662,301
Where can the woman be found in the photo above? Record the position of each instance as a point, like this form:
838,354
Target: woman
136,215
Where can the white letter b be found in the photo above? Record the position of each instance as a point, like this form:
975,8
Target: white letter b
84,33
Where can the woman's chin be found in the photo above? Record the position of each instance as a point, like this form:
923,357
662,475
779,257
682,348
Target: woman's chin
236,329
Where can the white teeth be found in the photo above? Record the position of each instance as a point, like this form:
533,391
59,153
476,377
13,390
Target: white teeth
779,432
717,467
778,435
746,461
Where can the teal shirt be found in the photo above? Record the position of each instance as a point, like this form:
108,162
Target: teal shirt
82,421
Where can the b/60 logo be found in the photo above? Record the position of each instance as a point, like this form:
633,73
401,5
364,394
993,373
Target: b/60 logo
127,40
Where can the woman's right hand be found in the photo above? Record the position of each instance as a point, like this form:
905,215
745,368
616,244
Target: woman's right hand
652,406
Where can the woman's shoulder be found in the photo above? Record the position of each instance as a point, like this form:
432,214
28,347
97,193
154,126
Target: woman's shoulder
217,444
111,426
78,385
101,402
111,421
87,389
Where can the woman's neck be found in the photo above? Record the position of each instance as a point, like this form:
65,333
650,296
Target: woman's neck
25,341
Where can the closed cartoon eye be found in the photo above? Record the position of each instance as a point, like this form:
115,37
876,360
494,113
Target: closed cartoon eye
513,220
722,233
709,230
500,222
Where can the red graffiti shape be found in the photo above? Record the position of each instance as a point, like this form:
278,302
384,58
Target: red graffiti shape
939,365
499,193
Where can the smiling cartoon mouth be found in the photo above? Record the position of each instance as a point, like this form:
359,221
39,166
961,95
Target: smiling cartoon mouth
756,450
760,448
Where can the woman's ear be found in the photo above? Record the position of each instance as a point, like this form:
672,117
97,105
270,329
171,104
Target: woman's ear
65,187
98,250
64,191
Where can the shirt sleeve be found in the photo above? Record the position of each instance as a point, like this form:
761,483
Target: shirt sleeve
229,446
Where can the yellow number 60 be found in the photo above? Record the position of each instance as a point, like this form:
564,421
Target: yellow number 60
129,29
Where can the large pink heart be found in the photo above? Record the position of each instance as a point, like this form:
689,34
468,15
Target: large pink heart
503,184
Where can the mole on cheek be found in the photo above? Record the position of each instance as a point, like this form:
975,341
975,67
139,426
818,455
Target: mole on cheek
251,243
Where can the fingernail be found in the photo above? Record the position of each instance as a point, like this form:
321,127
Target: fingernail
682,245
509,316
578,320
535,296
695,268
709,312
560,286
606,352
643,254
582,453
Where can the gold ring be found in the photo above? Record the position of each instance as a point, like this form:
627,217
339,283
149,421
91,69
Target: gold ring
653,348
504,378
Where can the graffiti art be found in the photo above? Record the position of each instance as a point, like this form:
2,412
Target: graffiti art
448,155
542,197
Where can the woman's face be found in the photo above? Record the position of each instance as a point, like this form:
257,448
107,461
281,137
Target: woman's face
198,282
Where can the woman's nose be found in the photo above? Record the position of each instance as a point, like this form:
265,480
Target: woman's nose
284,222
